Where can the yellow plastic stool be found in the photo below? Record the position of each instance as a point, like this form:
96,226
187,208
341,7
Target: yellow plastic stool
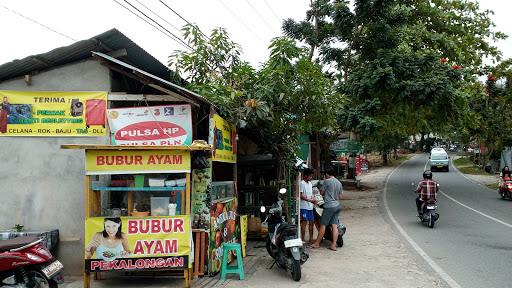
239,268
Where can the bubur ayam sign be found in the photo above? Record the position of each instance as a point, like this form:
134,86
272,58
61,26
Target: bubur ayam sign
169,125
98,162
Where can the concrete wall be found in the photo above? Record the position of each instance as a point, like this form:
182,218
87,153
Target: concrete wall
41,185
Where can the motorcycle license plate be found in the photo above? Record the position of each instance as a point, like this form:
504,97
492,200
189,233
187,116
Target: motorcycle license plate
292,243
431,207
52,269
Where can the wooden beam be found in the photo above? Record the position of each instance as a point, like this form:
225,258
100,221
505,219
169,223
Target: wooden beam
142,97
178,96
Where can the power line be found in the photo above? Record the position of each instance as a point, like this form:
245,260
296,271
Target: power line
241,21
183,18
170,24
273,12
34,21
259,15
168,34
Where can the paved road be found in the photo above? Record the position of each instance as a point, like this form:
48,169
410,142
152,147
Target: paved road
473,249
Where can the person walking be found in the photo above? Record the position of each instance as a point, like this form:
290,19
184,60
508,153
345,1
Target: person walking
332,191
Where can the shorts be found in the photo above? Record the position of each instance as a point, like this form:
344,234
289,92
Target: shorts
330,216
306,215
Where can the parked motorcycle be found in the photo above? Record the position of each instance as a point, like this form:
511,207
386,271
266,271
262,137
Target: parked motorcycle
429,214
26,262
328,229
505,189
282,242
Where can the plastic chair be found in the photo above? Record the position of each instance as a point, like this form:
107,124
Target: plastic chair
239,268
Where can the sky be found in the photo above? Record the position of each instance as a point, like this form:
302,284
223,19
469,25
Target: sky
250,23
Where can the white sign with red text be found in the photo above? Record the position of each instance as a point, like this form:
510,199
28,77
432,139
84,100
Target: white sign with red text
169,125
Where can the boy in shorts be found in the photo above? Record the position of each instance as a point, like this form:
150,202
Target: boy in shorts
306,205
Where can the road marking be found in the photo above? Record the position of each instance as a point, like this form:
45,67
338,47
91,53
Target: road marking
449,280
425,168
474,210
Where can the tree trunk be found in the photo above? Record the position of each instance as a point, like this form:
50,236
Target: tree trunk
422,142
385,158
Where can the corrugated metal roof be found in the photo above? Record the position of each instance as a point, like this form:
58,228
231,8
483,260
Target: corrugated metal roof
106,42
178,89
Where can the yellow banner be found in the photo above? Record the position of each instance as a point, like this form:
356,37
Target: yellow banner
243,233
223,139
136,161
36,113
125,243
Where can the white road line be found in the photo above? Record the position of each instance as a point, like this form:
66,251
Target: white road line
425,168
449,280
474,210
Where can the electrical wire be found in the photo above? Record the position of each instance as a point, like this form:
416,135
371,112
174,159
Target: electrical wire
272,10
154,21
154,13
140,17
34,21
182,18
259,15
240,20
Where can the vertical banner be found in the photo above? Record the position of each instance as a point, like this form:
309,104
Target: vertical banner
154,125
243,233
122,243
201,196
223,230
223,139
52,114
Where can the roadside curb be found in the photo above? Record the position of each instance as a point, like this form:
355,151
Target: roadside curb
469,178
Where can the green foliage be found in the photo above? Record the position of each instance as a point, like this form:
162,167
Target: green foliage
287,97
18,228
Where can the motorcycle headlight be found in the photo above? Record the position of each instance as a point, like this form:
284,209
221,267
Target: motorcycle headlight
34,257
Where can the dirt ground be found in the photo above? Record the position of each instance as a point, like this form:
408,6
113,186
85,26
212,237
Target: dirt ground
373,254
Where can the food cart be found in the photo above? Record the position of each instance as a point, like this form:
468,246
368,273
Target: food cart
125,185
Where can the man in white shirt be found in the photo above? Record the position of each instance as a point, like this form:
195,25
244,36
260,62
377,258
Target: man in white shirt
306,204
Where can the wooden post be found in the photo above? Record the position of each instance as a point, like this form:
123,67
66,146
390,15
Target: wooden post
187,195
131,196
87,276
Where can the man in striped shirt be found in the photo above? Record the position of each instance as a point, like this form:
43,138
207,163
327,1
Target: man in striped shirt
427,190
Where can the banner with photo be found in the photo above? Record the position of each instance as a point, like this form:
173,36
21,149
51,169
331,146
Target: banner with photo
125,243
57,114
168,125
223,139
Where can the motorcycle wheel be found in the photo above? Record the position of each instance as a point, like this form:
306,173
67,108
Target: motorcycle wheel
296,275
339,242
269,247
431,220
40,280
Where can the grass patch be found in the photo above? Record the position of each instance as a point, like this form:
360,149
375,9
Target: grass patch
463,161
401,158
473,170
493,186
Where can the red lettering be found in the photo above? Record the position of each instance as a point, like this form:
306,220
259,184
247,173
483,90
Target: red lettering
151,159
177,159
100,160
139,263
94,265
178,225
167,226
119,160
179,262
168,160
171,246
160,263
109,160
155,226
122,264
138,160
144,226
158,248
138,249
130,264
150,263
149,244
103,265
132,227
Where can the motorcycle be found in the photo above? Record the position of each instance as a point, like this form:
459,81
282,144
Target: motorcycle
328,229
429,214
26,262
505,189
282,241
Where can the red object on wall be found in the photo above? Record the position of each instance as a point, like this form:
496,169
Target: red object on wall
358,165
95,110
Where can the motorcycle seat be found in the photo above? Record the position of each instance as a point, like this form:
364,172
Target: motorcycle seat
6,245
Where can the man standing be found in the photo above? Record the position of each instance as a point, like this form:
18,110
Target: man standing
306,204
332,191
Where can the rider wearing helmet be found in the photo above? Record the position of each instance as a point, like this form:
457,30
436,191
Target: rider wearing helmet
427,190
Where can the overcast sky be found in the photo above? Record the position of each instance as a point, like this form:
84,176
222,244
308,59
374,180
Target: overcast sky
251,23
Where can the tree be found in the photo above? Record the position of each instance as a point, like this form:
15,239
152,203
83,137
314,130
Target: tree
404,65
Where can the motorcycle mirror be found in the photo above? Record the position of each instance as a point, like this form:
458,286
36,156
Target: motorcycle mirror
282,191
263,209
